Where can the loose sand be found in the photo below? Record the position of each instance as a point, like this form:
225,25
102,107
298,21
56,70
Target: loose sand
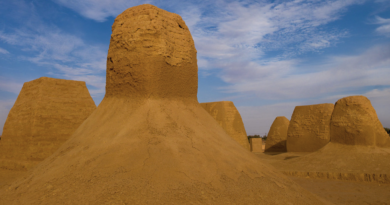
277,135
45,114
149,141
228,117
347,192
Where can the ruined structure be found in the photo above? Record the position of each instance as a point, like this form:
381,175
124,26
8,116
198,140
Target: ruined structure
277,135
309,128
45,114
150,141
355,122
228,117
256,144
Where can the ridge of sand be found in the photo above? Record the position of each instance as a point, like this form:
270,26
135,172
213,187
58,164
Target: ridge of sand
144,147
277,135
45,114
309,127
228,117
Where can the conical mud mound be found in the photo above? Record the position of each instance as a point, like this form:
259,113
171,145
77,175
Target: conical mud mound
354,122
277,135
309,128
149,141
228,117
45,114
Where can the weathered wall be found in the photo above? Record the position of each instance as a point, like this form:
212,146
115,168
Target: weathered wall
355,122
309,128
277,135
151,56
228,117
256,144
45,114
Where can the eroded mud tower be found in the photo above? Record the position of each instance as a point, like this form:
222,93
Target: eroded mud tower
355,122
277,135
149,141
45,114
309,128
228,117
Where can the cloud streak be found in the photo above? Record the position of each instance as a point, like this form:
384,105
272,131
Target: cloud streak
63,55
384,29
3,51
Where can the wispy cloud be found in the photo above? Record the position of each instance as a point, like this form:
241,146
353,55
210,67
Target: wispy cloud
63,55
282,79
3,51
99,10
384,28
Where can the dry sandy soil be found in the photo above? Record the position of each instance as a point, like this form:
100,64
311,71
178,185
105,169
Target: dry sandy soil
335,191
347,192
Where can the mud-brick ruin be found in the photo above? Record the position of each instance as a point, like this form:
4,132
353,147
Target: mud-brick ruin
355,122
277,135
45,114
150,141
309,128
228,117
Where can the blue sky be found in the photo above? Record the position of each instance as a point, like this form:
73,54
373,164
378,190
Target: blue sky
265,56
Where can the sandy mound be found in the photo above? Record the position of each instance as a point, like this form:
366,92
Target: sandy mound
354,122
228,117
45,114
309,128
277,135
149,141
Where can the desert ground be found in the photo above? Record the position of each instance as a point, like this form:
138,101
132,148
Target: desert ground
333,190
339,192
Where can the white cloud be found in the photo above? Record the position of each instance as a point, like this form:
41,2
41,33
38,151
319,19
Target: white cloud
99,10
283,79
66,55
3,51
384,29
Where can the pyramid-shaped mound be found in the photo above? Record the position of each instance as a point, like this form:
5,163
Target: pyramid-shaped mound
228,117
354,122
149,141
45,114
277,135
309,128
